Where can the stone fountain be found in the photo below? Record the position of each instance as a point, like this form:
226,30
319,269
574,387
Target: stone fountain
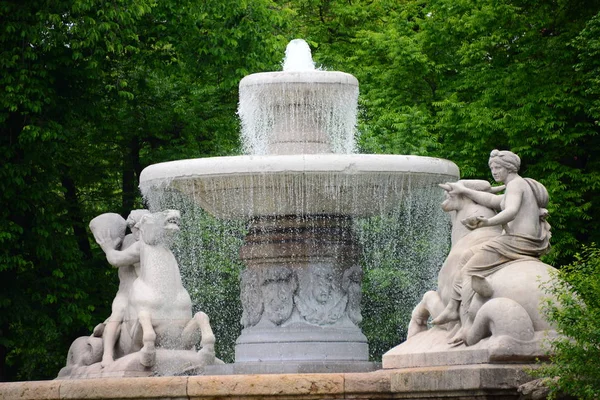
300,186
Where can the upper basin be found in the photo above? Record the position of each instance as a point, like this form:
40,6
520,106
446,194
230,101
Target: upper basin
303,184
303,112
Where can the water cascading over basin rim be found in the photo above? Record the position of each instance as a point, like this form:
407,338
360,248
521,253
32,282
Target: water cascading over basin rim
301,187
298,112
303,184
312,77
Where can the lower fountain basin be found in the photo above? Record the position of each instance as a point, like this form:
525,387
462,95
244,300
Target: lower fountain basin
242,187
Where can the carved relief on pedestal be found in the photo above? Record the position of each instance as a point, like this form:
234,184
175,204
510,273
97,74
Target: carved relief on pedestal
320,298
352,286
322,294
267,295
251,297
285,282
278,285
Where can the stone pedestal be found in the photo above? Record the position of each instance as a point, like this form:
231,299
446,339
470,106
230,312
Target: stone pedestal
301,293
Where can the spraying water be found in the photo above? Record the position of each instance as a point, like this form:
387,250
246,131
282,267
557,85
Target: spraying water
298,57
301,208
301,110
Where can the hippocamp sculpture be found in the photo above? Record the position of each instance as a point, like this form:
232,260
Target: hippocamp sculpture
464,242
154,324
489,285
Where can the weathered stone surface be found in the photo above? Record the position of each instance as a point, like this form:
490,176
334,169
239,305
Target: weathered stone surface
485,381
125,388
266,385
375,382
289,367
449,379
47,390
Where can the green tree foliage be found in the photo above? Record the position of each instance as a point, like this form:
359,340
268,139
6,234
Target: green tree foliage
512,78
91,93
54,59
457,79
574,365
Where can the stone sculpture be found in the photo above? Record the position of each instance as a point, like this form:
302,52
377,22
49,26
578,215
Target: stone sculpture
488,298
151,329
277,288
320,299
464,243
127,275
320,296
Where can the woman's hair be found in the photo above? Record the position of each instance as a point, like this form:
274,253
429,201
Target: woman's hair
505,158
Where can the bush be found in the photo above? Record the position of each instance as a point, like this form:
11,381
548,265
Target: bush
576,314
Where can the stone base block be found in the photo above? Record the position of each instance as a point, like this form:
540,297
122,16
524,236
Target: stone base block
301,344
430,348
168,363
315,367
483,381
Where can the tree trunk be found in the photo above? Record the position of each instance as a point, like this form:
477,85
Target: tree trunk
76,216
131,166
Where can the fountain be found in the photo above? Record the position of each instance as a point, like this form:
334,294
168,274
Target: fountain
300,187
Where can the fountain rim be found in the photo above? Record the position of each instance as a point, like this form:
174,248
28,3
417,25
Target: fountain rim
308,77
294,164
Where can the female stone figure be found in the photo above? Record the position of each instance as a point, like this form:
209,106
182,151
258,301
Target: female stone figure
526,234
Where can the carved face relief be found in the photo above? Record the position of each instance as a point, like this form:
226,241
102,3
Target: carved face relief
278,288
159,227
499,172
451,202
322,281
321,299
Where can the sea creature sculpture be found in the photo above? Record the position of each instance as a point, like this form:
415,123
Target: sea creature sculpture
490,286
155,324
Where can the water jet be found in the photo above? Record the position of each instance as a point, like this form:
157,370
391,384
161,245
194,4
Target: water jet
300,187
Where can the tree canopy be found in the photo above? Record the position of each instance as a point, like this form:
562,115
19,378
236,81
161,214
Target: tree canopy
456,79
93,91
